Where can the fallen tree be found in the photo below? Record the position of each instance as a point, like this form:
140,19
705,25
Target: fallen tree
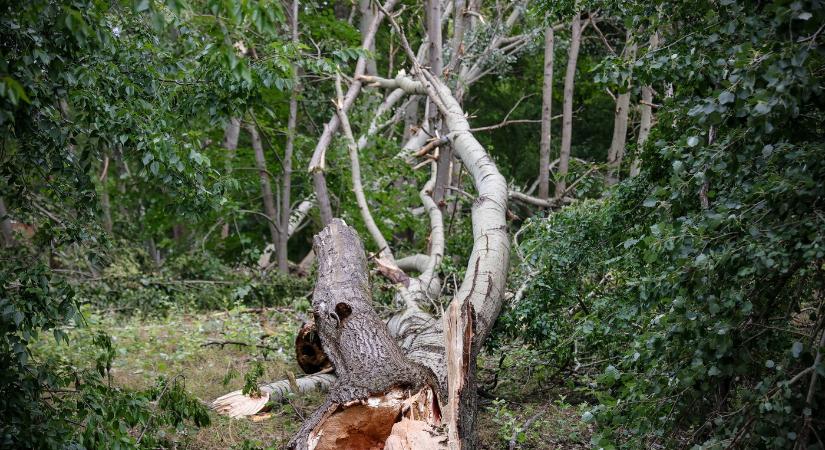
395,383
407,361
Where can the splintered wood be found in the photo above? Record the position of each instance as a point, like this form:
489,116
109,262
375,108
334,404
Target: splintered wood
235,404
458,326
392,421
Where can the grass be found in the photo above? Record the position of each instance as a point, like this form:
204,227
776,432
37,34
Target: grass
150,347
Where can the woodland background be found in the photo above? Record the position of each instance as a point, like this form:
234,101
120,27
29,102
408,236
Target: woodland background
667,277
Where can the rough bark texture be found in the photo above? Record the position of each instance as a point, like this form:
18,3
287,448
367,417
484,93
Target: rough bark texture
366,358
567,106
266,186
546,116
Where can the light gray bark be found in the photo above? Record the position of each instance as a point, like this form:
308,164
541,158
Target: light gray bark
231,134
617,145
645,116
546,116
105,204
5,225
567,106
367,15
457,40
286,186
384,251
266,186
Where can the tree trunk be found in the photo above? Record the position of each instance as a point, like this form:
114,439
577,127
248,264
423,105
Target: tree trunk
230,136
368,362
283,235
646,116
567,106
5,225
434,54
105,204
365,8
411,118
266,187
230,143
546,116
617,145
457,41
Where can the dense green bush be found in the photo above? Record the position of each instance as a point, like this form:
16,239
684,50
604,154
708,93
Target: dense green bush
689,302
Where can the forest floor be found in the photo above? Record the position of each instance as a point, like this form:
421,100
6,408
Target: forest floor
178,344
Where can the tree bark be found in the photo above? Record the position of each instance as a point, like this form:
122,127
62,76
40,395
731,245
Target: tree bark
617,146
286,187
367,15
546,116
410,118
105,204
230,142
646,116
5,225
434,55
367,360
231,135
384,253
567,106
483,285
457,41
266,187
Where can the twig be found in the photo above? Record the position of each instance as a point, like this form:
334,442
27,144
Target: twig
604,39
105,168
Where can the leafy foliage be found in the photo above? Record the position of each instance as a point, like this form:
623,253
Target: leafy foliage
689,302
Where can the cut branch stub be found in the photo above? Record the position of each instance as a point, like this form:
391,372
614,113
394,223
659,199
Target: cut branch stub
371,368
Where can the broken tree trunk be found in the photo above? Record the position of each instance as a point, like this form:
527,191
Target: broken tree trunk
375,379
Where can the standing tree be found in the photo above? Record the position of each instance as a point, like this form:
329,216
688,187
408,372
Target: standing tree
567,105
